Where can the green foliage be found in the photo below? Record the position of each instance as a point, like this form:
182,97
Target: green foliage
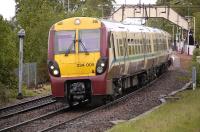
197,17
8,54
196,53
102,8
36,17
161,24
4,93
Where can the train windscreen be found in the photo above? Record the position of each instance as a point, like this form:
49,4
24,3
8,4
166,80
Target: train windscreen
89,40
64,40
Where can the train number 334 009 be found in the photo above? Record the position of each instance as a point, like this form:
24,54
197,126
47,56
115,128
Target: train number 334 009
87,65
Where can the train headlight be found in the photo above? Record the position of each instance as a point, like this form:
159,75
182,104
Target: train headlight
101,65
53,68
99,69
77,21
55,72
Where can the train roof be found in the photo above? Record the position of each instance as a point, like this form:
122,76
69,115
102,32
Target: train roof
117,26
110,25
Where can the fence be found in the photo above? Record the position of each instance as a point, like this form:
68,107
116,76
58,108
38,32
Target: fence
29,74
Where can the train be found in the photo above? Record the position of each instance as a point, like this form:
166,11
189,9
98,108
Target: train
91,60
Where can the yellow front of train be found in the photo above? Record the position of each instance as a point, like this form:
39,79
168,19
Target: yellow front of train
77,46
76,65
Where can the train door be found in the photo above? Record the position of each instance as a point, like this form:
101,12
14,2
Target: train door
142,50
123,52
126,52
113,56
148,51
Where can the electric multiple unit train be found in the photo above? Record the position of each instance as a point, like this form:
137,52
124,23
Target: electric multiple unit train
91,59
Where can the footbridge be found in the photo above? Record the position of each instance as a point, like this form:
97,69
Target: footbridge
149,11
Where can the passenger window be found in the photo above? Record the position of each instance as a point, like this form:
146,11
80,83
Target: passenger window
129,49
113,44
133,49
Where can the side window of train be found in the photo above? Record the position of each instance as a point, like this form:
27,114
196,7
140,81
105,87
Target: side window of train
157,44
113,46
110,42
118,47
142,48
136,49
139,49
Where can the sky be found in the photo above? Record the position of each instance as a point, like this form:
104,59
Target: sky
7,7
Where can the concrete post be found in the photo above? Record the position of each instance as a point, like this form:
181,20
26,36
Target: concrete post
21,35
194,77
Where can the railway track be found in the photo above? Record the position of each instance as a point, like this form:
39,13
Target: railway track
42,118
9,111
98,108
58,112
34,119
63,117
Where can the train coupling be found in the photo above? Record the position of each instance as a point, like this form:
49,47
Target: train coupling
78,90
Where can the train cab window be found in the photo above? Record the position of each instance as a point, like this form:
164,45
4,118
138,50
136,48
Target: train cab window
64,41
89,40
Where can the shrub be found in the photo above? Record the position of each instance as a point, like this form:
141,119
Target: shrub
196,64
4,94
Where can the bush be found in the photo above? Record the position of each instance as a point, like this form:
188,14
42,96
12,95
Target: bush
196,64
4,94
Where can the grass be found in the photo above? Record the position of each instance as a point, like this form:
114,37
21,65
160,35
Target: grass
183,78
182,115
11,94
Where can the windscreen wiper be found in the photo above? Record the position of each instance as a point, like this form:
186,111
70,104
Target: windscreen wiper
70,46
83,46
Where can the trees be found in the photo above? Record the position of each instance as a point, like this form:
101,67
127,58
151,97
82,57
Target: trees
90,8
8,58
36,17
8,53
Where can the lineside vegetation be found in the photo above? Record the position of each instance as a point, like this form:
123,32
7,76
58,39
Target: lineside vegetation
176,116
